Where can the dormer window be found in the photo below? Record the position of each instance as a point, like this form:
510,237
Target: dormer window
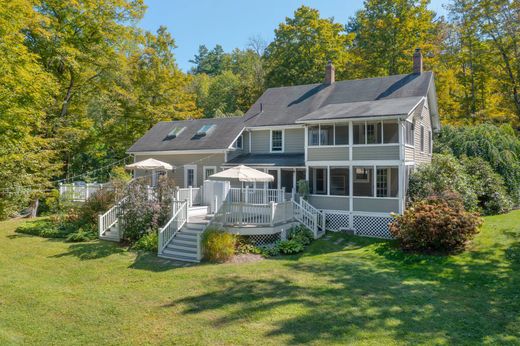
177,130
205,130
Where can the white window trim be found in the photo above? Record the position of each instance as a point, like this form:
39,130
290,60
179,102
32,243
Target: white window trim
204,171
186,167
406,133
430,142
271,141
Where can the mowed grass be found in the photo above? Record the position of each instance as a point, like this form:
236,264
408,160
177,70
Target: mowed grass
343,290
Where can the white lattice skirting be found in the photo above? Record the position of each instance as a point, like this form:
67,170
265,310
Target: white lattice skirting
263,239
363,224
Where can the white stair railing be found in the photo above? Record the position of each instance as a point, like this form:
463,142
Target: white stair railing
309,216
177,221
109,218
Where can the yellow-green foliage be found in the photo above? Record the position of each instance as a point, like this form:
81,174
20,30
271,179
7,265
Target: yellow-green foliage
218,245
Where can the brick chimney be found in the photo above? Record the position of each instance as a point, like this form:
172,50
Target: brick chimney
417,61
330,73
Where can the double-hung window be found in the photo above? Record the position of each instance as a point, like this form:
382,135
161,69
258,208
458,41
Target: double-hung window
276,140
410,133
421,138
430,142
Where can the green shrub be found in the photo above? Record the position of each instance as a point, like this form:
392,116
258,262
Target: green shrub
218,245
147,242
80,236
42,228
271,250
488,186
498,145
444,174
300,234
288,247
435,225
243,246
97,203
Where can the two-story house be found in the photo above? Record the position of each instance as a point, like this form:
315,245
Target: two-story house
354,141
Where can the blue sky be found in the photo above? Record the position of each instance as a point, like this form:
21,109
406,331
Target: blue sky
232,22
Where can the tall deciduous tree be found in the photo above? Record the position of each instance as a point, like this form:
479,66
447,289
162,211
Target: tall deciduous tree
386,32
302,47
27,158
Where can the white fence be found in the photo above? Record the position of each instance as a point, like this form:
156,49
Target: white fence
239,213
177,221
256,196
79,193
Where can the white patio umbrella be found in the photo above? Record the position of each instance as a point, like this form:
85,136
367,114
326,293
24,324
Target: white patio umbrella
151,165
243,174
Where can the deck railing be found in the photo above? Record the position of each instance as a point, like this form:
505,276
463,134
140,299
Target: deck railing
191,194
176,222
242,214
255,196
110,217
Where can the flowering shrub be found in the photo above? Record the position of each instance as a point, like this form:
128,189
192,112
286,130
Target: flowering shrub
145,209
435,225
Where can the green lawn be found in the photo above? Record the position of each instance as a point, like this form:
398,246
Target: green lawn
358,291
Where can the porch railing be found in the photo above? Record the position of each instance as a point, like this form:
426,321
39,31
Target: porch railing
176,222
110,217
239,213
255,196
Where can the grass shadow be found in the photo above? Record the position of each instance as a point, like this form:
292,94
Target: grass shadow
92,250
151,262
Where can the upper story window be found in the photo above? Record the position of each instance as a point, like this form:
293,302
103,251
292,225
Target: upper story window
421,138
376,132
205,129
276,140
177,130
239,142
410,133
430,142
330,134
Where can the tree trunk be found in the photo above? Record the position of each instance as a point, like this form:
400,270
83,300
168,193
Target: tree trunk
34,208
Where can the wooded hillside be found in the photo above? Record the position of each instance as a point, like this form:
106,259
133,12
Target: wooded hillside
80,82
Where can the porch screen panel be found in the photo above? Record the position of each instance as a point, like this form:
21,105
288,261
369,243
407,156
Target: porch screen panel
363,181
341,134
318,181
326,134
339,181
314,135
390,132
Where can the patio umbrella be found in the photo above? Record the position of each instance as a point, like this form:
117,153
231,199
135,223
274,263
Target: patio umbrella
151,165
243,174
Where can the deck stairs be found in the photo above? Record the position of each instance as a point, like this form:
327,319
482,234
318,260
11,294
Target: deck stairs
186,244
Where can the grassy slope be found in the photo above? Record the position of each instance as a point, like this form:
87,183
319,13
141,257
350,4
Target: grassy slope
358,291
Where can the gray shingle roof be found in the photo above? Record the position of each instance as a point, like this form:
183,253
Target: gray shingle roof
397,106
286,105
289,160
225,131
392,95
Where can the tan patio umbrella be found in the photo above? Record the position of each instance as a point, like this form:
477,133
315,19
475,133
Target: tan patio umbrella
243,174
151,165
